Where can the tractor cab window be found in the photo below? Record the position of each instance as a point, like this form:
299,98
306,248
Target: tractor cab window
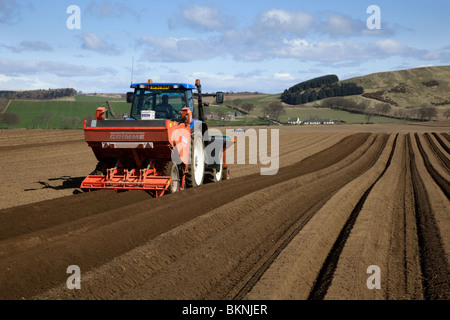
167,104
190,101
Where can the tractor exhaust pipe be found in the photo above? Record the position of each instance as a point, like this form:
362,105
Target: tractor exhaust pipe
201,113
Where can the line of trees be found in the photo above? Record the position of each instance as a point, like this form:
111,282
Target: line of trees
38,94
423,113
319,88
44,121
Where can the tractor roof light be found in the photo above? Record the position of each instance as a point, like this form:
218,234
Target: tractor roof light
150,81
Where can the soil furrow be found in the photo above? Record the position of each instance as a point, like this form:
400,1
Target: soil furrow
232,240
352,196
435,269
28,218
442,157
443,183
326,273
442,142
374,261
447,136
152,218
292,275
265,262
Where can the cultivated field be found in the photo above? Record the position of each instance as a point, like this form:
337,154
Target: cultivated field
345,199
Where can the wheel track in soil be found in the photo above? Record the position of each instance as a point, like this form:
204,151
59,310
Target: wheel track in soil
21,277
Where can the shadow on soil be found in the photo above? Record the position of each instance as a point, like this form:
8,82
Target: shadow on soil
67,183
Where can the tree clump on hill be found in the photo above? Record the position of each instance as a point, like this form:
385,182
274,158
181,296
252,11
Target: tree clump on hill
247,107
69,122
380,96
43,121
431,83
426,112
274,110
319,88
9,118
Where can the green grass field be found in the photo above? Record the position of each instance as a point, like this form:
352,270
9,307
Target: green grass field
28,111
96,98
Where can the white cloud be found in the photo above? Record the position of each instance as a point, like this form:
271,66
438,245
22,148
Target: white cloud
24,83
276,33
280,21
176,49
93,42
338,24
442,55
343,51
283,76
61,69
208,18
108,9
201,18
329,51
392,47
27,46
265,83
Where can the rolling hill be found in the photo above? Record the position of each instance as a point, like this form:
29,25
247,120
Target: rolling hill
404,90
408,88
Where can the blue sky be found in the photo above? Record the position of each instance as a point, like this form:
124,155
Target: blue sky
264,46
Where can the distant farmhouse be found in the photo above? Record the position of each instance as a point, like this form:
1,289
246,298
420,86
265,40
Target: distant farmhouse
318,121
294,121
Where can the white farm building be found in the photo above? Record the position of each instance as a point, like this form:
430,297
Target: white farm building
318,121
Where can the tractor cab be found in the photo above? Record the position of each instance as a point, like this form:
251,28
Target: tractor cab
160,100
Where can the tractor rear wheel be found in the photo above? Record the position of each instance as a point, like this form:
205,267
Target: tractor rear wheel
226,173
171,170
196,172
216,174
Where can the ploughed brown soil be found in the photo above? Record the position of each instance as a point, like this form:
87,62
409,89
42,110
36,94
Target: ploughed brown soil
346,200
